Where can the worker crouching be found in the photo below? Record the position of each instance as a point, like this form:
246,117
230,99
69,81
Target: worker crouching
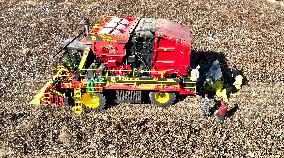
219,88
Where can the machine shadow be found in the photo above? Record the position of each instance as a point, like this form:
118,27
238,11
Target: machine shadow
206,58
233,110
110,99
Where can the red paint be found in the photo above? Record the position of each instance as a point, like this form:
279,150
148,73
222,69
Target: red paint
61,101
111,52
157,88
171,51
223,109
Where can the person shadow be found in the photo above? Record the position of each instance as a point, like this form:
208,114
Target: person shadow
233,110
205,59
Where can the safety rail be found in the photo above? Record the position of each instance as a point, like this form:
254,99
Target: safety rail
133,71
94,82
62,68
56,92
190,87
101,79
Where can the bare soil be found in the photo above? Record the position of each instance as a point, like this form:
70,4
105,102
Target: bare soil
249,33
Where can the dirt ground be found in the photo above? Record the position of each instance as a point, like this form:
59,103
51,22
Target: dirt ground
249,33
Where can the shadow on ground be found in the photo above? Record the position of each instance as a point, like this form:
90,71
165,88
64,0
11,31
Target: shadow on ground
202,58
205,59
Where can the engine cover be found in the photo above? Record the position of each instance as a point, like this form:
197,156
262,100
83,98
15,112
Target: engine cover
142,44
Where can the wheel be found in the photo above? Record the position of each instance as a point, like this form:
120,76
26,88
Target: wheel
162,98
94,100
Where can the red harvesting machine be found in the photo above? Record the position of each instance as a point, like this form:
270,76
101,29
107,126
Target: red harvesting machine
121,59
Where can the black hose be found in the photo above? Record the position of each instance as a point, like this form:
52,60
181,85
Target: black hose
58,52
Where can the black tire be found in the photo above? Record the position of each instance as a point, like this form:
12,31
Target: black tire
164,101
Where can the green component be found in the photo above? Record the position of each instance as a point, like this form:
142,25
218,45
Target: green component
98,80
91,84
217,85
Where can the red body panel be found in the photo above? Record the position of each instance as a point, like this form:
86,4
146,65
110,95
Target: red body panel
110,46
172,46
172,51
